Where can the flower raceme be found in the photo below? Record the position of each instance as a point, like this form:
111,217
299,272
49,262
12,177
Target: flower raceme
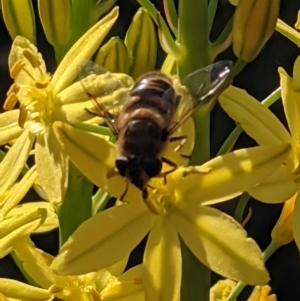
176,209
44,99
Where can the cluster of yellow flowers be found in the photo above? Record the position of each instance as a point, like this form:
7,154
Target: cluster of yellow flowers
53,122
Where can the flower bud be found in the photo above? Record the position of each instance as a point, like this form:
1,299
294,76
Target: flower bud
141,43
55,16
254,23
113,56
19,18
261,293
282,233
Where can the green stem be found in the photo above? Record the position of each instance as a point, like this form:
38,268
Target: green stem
193,40
236,291
201,151
224,34
240,208
230,141
272,98
171,15
237,68
193,36
212,8
195,277
77,205
270,250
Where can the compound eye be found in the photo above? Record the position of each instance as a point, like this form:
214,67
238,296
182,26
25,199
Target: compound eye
152,166
122,165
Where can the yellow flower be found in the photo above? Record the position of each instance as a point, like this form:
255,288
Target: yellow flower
221,290
261,293
265,128
43,100
177,208
100,285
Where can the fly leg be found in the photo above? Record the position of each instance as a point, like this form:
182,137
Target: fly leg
111,173
173,168
182,140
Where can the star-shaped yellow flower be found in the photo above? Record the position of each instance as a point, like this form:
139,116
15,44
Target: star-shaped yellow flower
263,126
44,99
177,209
108,284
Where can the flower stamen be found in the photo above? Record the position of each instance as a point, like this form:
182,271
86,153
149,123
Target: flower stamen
16,68
10,101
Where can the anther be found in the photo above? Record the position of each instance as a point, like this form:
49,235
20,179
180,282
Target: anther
16,68
22,116
32,58
10,101
41,85
14,88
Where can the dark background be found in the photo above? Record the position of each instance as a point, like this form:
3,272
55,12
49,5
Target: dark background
259,78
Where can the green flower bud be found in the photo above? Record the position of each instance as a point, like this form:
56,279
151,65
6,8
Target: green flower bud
254,23
19,18
113,56
141,43
55,16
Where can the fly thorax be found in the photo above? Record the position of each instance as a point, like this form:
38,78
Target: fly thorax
143,138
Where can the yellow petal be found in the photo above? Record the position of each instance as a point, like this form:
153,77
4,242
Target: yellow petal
117,231
18,192
291,104
19,290
289,32
282,232
19,226
34,262
128,287
296,72
14,161
9,128
51,221
220,243
258,122
82,50
117,268
19,45
277,187
296,221
162,260
261,293
19,18
226,176
95,158
51,166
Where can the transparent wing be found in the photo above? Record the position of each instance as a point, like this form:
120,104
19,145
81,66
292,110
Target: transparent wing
204,85
108,91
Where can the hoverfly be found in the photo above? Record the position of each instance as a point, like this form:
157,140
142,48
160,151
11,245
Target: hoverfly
150,114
